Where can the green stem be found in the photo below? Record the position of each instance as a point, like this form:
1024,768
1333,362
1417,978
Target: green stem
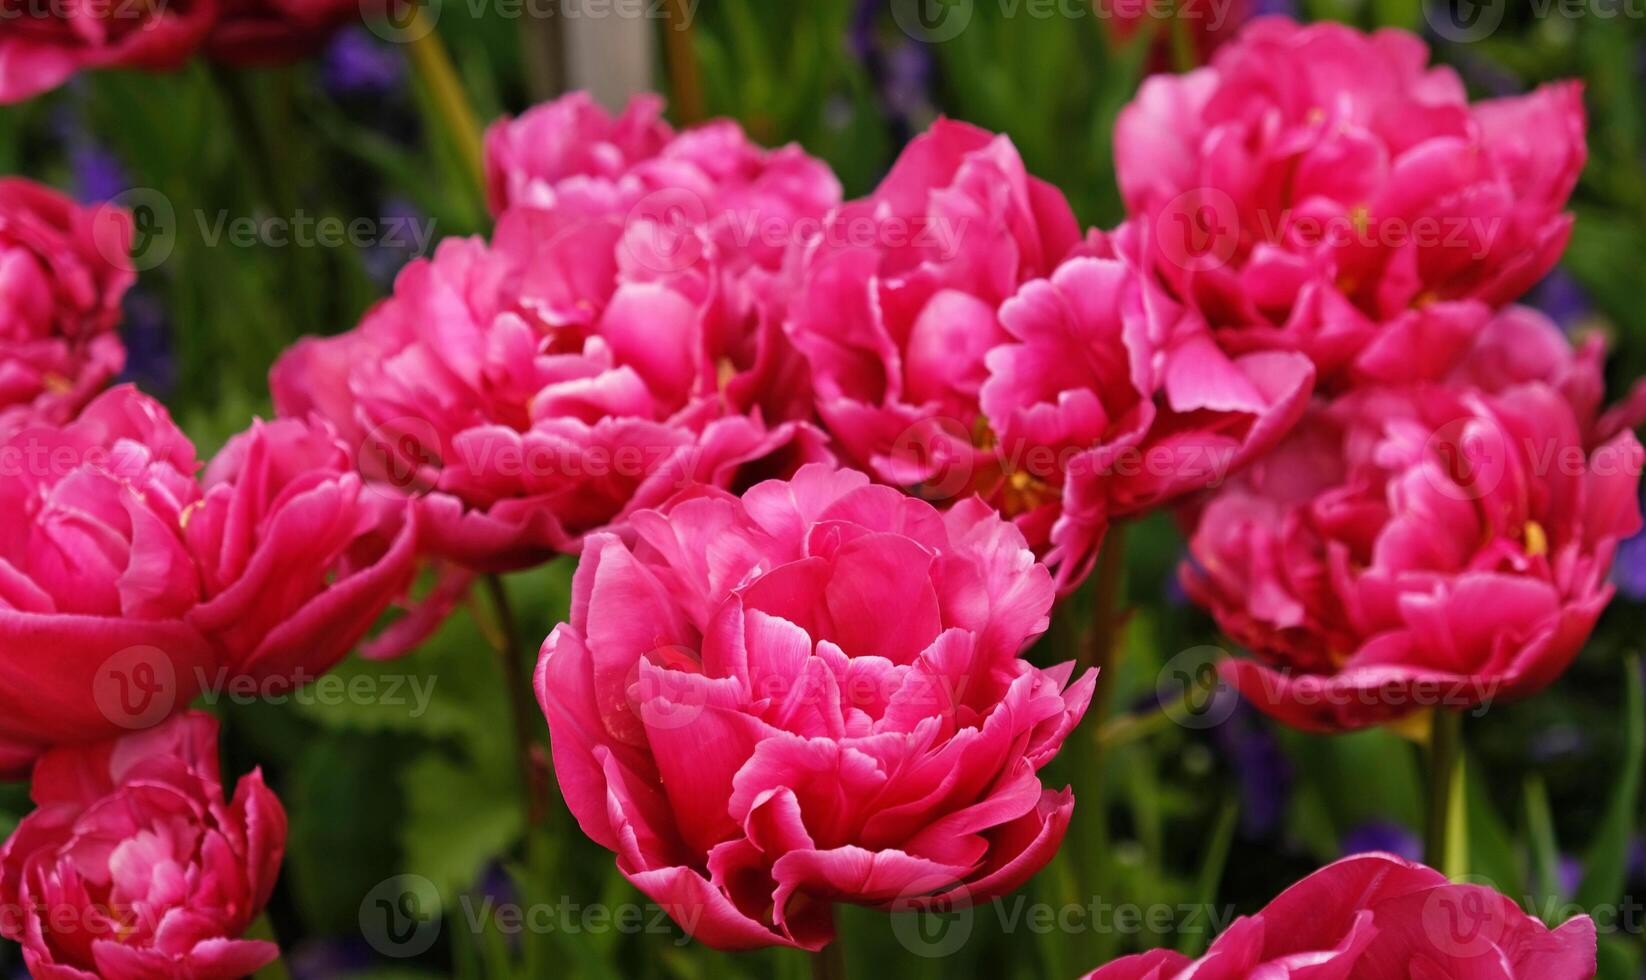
1089,834
1446,841
433,65
522,703
829,963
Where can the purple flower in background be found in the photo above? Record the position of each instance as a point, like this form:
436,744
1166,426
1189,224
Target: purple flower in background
357,64
150,361
1281,8
1252,751
1562,298
97,174
902,72
1557,742
1629,568
1570,872
1380,835
384,258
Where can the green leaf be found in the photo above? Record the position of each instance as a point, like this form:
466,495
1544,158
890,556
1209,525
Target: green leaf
1607,862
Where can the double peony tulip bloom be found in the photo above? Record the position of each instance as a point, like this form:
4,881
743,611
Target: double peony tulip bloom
1379,917
297,557
62,276
1426,545
96,582
125,589
1323,190
585,363
136,866
808,695
962,338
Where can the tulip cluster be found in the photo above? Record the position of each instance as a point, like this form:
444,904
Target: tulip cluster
826,467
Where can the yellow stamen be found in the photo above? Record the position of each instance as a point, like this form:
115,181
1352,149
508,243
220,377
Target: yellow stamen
1537,540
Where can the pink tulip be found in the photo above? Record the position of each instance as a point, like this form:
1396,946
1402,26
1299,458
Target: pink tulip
96,583
1420,546
1324,190
135,866
63,271
808,695
545,385
1380,917
298,559
1108,399
897,308
42,45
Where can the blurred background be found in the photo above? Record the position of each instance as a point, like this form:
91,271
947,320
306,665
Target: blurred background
405,849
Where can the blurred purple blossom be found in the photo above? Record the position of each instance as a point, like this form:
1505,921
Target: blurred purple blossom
902,70
1255,756
384,259
358,64
1381,835
150,361
1560,296
1629,568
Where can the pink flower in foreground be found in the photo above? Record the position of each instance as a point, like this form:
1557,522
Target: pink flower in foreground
297,557
96,583
543,386
43,44
734,712
1324,190
1108,399
1380,917
1419,546
61,281
135,866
